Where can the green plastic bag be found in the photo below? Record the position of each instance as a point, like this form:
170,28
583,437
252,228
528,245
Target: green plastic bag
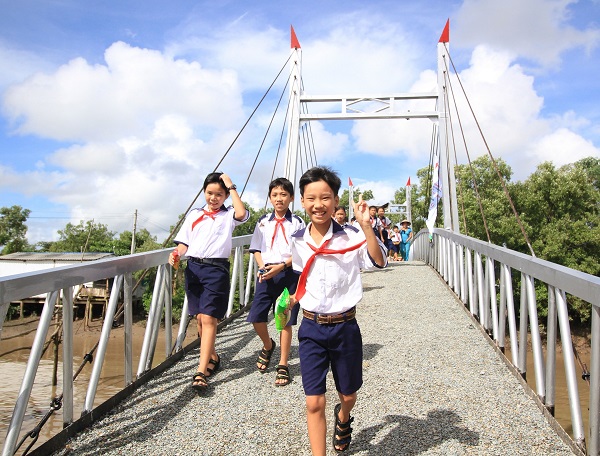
281,316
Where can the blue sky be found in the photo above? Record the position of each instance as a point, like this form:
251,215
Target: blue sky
108,107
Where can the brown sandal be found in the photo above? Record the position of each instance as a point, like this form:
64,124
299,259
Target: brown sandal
199,382
264,358
283,373
342,432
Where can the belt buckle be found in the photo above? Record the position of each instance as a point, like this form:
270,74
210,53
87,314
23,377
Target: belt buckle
324,319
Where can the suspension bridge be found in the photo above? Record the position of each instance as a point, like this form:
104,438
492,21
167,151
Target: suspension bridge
435,330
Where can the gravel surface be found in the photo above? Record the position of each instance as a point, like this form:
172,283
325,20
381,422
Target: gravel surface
432,385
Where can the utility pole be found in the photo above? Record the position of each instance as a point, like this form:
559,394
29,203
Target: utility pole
133,233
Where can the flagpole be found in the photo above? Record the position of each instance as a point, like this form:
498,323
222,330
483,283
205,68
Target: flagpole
350,200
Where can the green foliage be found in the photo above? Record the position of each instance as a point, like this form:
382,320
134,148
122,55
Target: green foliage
559,209
84,237
144,242
13,229
367,195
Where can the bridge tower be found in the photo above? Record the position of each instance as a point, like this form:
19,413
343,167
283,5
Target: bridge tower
374,106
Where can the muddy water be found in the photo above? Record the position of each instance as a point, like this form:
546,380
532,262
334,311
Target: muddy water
14,351
562,411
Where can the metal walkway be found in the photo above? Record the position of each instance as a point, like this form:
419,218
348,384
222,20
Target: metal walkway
433,385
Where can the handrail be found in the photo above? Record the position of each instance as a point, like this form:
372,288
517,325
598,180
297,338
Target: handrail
469,265
60,282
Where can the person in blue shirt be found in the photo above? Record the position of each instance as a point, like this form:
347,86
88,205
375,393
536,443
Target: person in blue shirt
406,234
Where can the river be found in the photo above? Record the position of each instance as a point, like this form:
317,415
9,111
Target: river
17,338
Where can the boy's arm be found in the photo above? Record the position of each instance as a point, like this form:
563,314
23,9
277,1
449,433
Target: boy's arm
361,212
238,205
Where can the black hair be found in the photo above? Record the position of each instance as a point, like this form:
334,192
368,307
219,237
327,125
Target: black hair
338,208
321,173
214,178
283,183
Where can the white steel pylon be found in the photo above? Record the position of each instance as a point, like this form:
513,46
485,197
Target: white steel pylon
374,106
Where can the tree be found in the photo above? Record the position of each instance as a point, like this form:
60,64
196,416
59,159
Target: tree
88,237
13,229
482,203
144,242
367,195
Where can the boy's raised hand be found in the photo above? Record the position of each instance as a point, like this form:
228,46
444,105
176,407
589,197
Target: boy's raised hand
361,212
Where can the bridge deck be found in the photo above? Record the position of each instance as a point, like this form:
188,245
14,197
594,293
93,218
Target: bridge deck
433,385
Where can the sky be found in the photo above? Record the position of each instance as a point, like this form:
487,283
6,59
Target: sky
112,107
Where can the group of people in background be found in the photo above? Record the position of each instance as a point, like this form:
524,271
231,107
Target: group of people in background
396,237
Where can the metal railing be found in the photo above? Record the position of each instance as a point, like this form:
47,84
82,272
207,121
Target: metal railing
469,266
61,282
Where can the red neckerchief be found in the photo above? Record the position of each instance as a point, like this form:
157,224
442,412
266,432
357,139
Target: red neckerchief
301,289
279,223
205,213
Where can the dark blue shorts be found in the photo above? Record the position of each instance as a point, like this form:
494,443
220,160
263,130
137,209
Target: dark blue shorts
207,289
267,292
338,345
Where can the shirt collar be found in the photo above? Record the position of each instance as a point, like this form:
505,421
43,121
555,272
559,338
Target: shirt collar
288,216
222,208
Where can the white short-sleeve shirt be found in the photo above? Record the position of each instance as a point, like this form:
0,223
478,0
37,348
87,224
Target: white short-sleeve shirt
275,244
209,238
334,283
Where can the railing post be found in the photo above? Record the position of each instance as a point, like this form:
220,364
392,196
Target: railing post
241,293
150,322
233,284
104,337
67,317
128,326
471,283
595,383
570,372
551,352
510,310
461,266
536,341
523,321
480,298
168,311
155,328
183,324
33,362
492,295
249,279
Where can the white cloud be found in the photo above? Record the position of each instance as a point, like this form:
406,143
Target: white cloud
562,147
535,29
84,102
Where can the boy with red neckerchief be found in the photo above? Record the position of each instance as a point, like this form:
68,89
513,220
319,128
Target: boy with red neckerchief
271,246
331,257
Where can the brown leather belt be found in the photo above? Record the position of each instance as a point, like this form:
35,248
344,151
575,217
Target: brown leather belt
330,319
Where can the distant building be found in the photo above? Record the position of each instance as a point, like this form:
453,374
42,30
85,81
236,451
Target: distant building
22,262
86,294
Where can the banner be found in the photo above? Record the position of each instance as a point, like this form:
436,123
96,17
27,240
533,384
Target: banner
436,193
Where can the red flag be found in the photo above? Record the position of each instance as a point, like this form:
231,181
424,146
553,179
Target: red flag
445,37
294,39
408,183
350,182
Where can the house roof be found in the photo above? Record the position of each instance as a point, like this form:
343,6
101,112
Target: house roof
55,256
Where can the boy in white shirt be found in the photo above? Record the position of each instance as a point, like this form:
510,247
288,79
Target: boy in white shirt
331,257
271,246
